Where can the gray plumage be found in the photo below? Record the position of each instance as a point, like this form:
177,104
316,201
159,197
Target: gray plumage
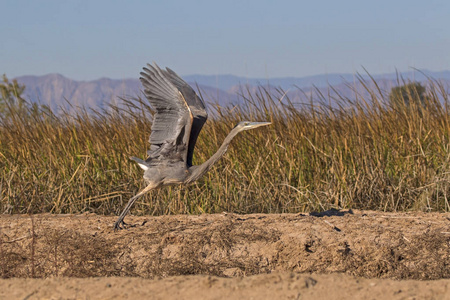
179,117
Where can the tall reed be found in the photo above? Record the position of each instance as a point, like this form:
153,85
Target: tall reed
332,151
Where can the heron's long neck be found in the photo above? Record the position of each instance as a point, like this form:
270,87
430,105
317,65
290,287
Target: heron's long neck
199,170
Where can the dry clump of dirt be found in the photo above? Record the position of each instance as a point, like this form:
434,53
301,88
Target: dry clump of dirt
360,243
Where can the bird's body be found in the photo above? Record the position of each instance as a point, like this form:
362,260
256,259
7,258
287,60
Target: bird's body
180,115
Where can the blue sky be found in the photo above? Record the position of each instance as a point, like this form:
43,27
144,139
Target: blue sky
87,40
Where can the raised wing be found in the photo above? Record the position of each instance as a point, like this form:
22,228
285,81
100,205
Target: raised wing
196,106
172,122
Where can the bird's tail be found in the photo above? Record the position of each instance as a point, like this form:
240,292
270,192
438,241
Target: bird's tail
142,163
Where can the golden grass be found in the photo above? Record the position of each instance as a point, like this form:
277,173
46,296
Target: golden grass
360,153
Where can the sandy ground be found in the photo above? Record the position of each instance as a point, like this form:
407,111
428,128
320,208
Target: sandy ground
332,255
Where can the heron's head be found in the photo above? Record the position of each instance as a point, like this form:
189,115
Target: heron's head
246,125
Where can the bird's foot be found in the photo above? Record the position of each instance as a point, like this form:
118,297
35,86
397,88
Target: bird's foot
120,224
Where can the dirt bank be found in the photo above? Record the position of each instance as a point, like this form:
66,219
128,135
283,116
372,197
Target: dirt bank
285,250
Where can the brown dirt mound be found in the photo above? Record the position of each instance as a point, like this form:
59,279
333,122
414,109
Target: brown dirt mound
366,244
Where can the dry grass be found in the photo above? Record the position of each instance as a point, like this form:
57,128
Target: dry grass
356,154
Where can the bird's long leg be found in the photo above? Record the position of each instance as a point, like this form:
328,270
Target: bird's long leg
120,222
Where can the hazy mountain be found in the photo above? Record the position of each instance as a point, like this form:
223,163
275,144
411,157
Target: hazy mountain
58,91
227,82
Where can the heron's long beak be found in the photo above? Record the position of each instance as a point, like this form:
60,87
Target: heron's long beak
257,124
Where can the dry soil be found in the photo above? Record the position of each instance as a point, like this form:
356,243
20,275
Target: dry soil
330,255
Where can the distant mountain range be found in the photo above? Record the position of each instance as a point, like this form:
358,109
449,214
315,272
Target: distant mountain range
58,91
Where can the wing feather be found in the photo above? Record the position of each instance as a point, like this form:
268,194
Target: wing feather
196,106
172,121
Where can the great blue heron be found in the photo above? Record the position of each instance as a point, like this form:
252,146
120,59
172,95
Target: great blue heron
180,115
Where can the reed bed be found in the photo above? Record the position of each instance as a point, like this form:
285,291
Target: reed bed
358,152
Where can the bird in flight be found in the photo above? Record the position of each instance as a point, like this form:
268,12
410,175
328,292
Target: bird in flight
179,117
